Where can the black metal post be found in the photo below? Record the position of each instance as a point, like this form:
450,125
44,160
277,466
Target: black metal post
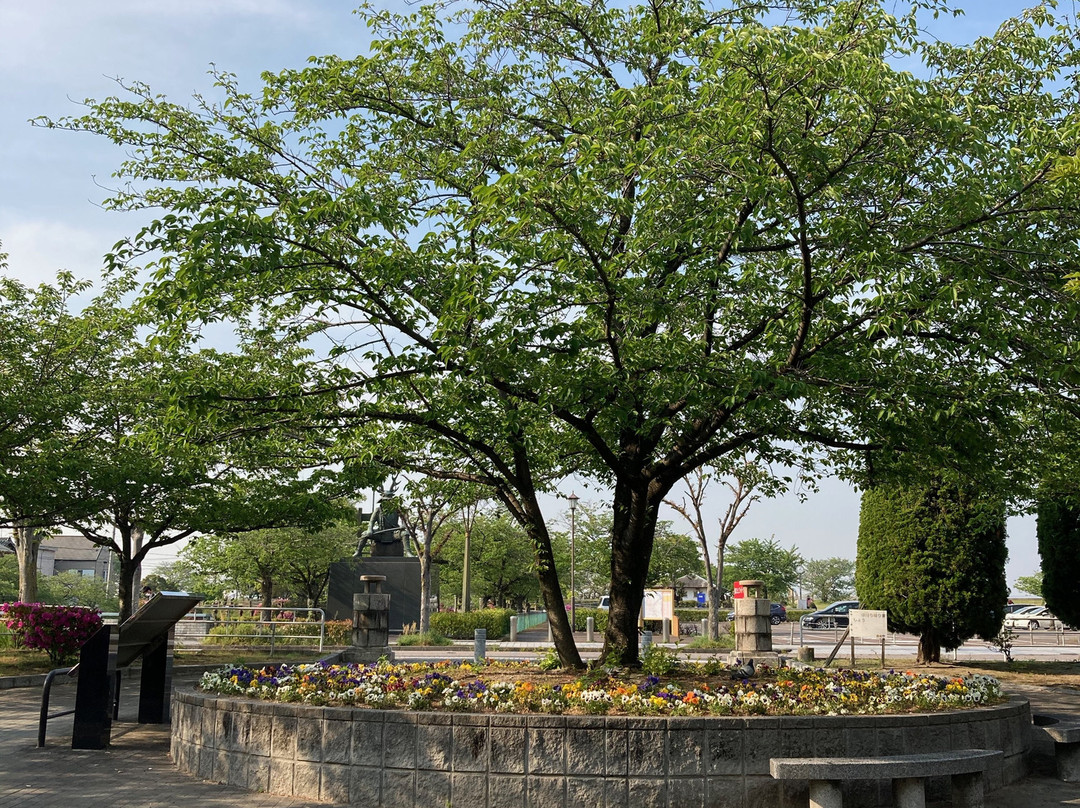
93,694
155,687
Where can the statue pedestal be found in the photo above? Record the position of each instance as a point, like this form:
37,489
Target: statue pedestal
370,622
402,584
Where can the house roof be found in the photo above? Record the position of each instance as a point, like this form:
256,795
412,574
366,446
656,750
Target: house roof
73,548
691,581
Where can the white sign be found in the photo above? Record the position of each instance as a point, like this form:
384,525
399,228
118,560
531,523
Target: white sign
868,624
658,604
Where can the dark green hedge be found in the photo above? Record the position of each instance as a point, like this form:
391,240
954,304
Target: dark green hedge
461,625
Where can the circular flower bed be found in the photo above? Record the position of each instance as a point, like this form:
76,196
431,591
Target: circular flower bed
689,690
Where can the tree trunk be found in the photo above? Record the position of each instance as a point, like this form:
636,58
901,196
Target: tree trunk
125,586
266,593
425,587
137,536
466,575
526,510
27,541
633,532
929,649
531,518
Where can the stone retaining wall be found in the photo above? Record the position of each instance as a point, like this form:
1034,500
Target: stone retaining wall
396,758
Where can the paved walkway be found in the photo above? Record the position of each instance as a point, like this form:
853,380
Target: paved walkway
135,772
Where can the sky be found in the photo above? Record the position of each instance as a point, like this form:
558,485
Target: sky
56,53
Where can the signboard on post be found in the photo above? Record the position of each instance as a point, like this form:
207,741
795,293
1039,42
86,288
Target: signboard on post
658,604
869,624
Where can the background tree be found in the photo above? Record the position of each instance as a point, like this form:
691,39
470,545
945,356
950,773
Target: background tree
744,482
51,357
761,560
829,579
308,569
425,510
934,557
674,555
1058,533
592,542
273,561
503,560
1032,584
180,575
540,237
72,589
9,578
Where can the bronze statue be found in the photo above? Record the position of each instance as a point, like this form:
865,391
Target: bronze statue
383,528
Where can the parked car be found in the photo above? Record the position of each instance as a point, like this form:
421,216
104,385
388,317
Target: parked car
835,615
604,604
1034,618
777,614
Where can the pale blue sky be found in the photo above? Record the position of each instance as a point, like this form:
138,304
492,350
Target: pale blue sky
57,52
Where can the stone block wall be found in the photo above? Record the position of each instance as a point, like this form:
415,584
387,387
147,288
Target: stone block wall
399,759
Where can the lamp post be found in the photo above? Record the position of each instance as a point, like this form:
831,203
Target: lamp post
573,584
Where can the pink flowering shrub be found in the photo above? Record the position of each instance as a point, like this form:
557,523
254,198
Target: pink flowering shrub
59,631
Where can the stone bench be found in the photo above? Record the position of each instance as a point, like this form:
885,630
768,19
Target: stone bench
1066,737
908,773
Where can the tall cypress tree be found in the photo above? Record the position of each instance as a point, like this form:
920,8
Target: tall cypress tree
1058,533
934,557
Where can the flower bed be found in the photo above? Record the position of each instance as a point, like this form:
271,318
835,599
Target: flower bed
692,690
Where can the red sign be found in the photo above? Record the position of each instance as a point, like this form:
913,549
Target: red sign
737,591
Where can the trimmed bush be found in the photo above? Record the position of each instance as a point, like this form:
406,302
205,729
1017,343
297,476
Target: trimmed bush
461,625
338,632
253,632
582,615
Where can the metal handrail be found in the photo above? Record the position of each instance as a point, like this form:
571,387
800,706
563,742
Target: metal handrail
44,717
271,625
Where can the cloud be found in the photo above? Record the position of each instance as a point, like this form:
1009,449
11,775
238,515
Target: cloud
38,249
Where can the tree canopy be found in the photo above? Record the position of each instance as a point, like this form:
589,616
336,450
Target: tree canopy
531,237
763,560
829,579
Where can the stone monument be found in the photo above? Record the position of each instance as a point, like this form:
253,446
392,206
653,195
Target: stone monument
753,631
370,623
382,537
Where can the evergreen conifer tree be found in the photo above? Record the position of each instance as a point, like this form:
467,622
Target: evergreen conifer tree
934,557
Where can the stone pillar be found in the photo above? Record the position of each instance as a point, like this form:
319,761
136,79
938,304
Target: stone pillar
753,631
371,622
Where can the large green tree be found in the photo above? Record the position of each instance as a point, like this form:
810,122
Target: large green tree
829,579
503,561
763,560
52,357
1058,534
536,237
933,555
274,561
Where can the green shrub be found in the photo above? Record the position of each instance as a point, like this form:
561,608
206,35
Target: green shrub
659,661
339,632
252,632
598,615
461,625
423,638
695,615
